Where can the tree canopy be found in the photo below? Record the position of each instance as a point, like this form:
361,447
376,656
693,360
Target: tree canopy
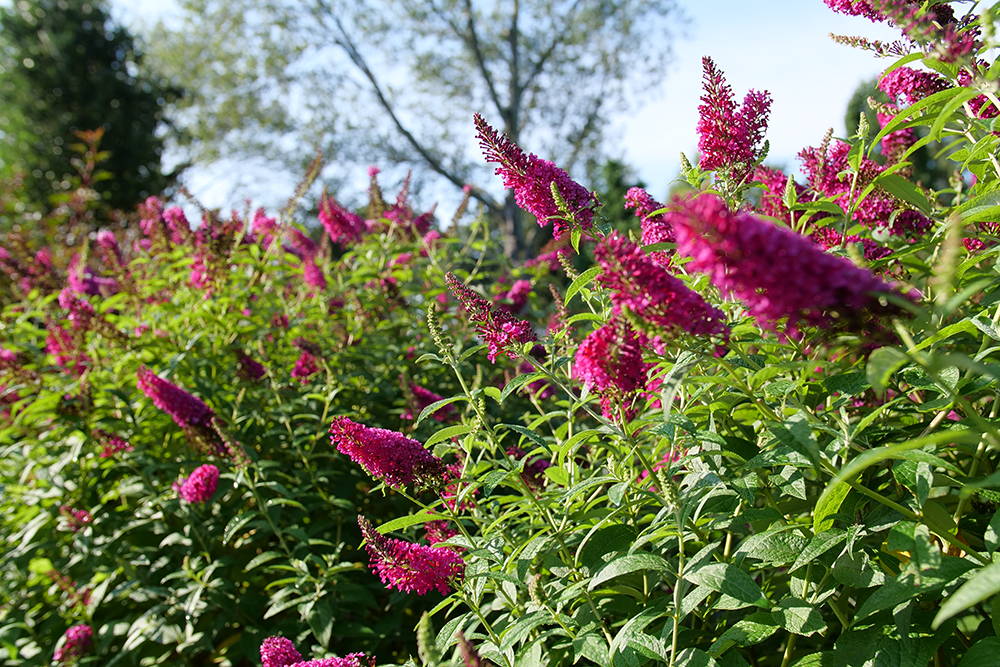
66,68
404,77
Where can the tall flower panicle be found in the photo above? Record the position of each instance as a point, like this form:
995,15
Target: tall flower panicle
387,455
730,138
301,245
108,243
647,291
263,228
342,226
532,179
609,361
67,349
410,567
908,85
185,409
281,652
501,331
77,642
79,312
200,485
778,274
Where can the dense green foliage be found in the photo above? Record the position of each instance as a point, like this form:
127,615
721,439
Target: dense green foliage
798,484
66,67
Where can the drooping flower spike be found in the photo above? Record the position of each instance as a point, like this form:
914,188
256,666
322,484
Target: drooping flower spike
784,279
200,486
387,455
411,567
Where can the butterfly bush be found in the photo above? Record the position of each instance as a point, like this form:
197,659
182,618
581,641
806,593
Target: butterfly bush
769,439
533,181
388,456
410,567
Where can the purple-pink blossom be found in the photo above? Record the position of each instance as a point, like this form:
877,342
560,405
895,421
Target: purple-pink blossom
655,228
76,519
305,366
905,84
609,361
249,368
645,289
779,275
532,180
387,455
730,138
76,642
501,331
200,485
341,225
281,652
187,411
411,567
421,397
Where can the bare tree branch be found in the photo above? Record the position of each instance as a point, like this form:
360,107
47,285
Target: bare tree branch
344,42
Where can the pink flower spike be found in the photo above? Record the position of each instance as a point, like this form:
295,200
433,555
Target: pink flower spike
387,455
784,280
278,652
77,641
501,331
410,567
532,178
186,410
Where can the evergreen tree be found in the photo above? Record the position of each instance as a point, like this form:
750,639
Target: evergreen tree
66,67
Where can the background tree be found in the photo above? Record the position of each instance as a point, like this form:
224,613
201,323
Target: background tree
68,68
405,76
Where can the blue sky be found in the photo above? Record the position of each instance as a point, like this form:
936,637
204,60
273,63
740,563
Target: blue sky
777,45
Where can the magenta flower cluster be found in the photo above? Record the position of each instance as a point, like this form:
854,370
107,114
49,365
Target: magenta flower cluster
386,455
200,485
784,280
644,289
421,397
281,652
76,643
609,361
730,138
411,567
186,410
532,179
501,331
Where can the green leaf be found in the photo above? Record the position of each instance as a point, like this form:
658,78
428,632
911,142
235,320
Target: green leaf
983,584
260,559
983,653
235,524
627,565
447,433
745,632
882,363
519,382
402,522
580,282
904,189
778,546
828,504
799,617
437,405
728,580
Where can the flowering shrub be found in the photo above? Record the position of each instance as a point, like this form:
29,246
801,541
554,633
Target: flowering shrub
763,430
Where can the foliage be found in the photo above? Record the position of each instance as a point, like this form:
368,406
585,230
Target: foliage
68,68
766,436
